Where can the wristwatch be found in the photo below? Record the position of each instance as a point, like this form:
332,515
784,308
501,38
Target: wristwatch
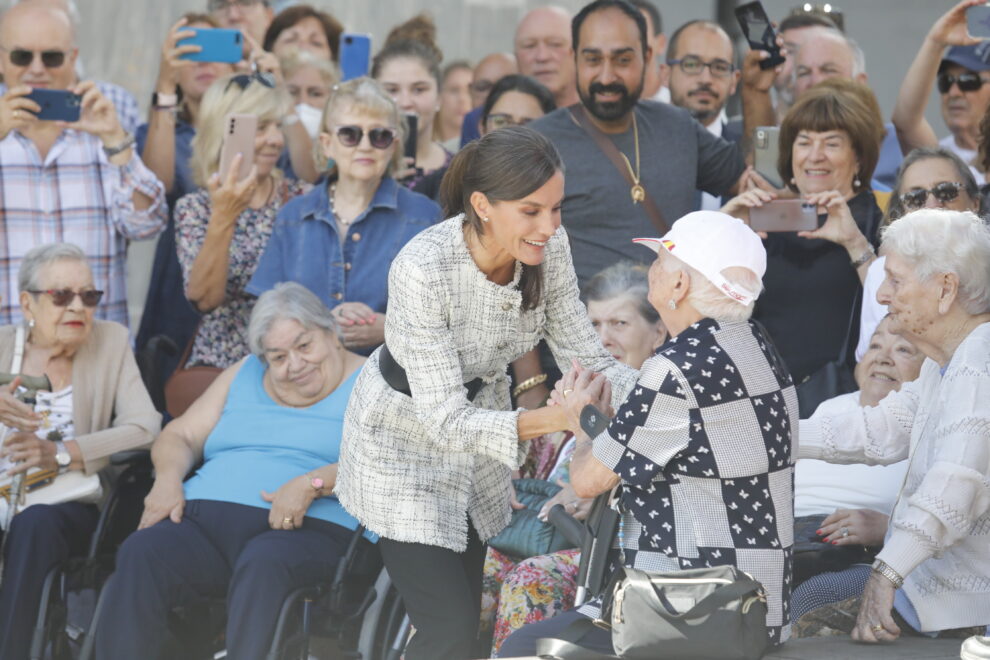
125,144
164,101
62,456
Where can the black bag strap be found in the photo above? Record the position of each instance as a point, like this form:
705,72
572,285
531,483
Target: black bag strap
565,645
607,147
844,352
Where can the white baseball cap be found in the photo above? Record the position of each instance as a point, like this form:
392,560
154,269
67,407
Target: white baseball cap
710,242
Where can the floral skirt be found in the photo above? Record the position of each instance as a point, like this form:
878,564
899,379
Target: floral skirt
516,593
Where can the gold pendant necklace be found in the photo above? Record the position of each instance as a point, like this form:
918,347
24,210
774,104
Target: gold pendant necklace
637,192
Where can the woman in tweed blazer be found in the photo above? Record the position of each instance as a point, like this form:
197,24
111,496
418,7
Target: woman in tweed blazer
430,472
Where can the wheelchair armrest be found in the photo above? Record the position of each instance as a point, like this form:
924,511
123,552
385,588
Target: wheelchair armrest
131,457
565,523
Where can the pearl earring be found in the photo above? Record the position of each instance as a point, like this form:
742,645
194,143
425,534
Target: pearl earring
856,182
793,181
30,323
484,218
671,304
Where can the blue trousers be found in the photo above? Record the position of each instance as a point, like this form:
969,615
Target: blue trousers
41,537
218,549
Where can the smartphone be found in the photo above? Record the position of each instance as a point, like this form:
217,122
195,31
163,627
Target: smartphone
355,55
759,32
218,45
978,21
766,149
238,138
784,215
409,148
56,104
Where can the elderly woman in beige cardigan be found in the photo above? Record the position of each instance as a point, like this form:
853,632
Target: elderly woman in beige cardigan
98,406
931,576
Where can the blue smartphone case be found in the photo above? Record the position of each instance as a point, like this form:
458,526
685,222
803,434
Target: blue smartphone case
56,104
355,55
218,44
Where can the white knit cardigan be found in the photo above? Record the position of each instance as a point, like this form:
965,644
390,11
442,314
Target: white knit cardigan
939,534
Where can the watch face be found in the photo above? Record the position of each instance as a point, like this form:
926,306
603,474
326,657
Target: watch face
63,459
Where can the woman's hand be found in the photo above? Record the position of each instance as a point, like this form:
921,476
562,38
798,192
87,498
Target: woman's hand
854,527
360,326
578,388
950,28
739,206
578,507
263,61
28,451
15,413
840,226
407,170
874,622
230,197
290,503
166,499
171,60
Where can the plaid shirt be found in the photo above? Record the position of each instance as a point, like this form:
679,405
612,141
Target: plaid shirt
73,195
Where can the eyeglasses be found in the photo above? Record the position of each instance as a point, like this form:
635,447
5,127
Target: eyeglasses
52,59
217,6
64,297
380,138
482,86
501,120
693,66
968,82
242,80
943,192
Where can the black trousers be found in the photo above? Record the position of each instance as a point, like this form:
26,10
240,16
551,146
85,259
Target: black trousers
218,549
41,537
441,590
522,643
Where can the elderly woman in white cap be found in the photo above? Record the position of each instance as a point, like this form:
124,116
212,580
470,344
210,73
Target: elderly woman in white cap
931,575
704,444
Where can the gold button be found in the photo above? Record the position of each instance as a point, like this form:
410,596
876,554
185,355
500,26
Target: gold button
347,266
355,237
338,296
506,306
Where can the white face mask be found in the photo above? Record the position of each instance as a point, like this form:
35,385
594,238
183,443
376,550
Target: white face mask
310,118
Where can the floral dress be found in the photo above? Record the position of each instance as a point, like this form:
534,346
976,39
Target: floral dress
222,336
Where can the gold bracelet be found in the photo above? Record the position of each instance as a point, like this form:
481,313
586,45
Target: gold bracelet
882,568
529,384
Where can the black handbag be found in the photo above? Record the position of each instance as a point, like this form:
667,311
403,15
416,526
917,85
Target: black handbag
526,535
812,556
833,378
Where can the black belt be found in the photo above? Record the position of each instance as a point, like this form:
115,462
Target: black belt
395,376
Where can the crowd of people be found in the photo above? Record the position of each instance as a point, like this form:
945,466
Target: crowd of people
393,340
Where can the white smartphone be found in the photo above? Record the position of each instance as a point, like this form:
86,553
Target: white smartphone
238,138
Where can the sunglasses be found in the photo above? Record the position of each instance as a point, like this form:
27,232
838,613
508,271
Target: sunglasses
968,82
943,192
242,80
380,138
52,59
63,297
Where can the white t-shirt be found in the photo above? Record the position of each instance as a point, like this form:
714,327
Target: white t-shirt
871,312
968,155
820,488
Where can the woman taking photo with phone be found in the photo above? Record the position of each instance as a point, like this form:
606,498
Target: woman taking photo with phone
430,438
222,228
340,239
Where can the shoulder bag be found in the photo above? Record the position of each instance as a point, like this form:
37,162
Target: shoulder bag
833,378
186,384
526,535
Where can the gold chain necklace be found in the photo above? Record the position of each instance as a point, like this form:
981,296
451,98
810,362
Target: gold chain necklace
637,191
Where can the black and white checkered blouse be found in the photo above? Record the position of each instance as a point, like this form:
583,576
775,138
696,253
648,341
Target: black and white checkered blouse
704,445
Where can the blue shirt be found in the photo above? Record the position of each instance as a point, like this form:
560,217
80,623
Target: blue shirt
470,130
306,248
259,445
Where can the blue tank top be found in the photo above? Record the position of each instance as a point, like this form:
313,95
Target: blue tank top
259,445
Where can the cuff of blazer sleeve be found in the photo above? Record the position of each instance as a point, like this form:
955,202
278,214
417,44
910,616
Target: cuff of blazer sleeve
904,551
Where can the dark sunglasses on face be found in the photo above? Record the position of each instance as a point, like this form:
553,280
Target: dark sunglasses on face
968,82
943,192
64,297
350,136
52,59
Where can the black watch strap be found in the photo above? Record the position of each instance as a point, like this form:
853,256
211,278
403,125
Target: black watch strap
593,421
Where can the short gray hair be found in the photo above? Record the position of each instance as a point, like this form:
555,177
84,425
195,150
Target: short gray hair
941,241
287,301
707,299
624,278
39,257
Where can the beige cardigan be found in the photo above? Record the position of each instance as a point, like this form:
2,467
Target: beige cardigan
111,409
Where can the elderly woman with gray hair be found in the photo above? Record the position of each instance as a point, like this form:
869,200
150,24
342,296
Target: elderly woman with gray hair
258,517
97,406
931,574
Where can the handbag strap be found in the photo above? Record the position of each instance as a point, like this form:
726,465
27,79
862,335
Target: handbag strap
565,645
844,352
719,598
607,147
189,346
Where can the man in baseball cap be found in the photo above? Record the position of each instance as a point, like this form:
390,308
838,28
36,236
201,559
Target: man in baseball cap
719,247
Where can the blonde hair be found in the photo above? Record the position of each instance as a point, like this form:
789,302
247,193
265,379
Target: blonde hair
366,96
225,97
303,59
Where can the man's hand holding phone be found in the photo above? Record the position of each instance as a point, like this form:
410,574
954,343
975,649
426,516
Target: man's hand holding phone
17,111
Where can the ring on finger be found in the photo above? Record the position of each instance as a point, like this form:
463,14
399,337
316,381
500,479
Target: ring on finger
876,627
844,531
287,520
17,114
567,391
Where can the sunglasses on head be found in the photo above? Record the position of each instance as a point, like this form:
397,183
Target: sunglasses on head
350,136
943,192
52,59
64,297
968,82
242,80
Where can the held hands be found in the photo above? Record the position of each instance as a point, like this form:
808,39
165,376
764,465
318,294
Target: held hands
28,451
171,62
229,197
360,326
166,499
16,111
578,507
17,414
578,388
950,28
874,622
290,503
854,527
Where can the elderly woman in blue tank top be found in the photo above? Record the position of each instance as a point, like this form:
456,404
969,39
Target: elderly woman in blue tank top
258,518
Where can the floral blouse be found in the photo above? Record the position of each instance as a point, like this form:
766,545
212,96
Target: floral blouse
222,336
